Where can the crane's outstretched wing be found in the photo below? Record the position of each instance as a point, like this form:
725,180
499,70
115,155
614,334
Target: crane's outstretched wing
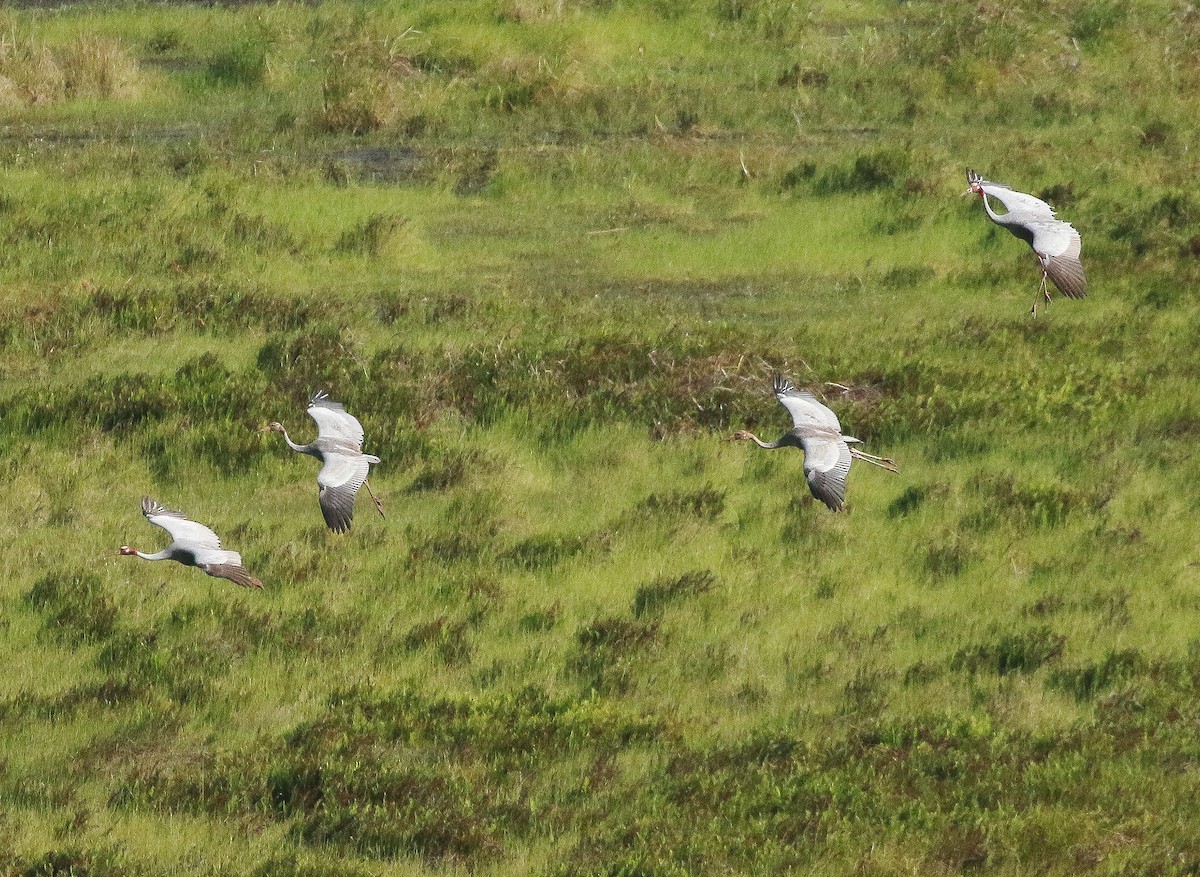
182,530
805,408
332,420
826,465
339,481
1058,245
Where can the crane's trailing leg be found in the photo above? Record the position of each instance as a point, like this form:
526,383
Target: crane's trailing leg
882,462
375,499
1043,292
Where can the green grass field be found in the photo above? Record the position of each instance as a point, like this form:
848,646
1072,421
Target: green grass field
550,253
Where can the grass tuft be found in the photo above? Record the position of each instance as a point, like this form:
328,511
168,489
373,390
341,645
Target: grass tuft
76,605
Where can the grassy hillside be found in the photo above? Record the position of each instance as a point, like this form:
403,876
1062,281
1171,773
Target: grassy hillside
550,254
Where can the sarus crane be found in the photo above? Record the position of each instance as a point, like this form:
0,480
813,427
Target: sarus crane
816,431
344,467
1055,243
193,544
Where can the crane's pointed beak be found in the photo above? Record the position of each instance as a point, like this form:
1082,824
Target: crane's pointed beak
966,193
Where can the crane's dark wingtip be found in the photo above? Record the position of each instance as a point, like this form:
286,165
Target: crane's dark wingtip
152,507
1068,276
337,525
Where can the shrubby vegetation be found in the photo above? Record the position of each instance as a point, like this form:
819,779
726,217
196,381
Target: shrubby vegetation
550,254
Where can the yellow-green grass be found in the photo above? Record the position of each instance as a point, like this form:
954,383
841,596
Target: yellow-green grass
550,254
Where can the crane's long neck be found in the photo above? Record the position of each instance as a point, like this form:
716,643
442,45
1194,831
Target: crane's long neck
1006,220
992,214
299,449
783,441
1015,226
165,554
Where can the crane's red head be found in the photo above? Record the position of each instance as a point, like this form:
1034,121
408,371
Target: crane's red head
125,549
976,182
742,435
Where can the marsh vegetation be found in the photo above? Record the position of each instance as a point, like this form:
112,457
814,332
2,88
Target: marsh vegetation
549,253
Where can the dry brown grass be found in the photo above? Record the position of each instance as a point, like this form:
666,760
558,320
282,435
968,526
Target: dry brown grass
32,73
366,86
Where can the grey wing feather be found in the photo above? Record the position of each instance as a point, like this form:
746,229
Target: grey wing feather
804,407
1059,250
183,530
234,572
826,464
333,421
339,481
1067,275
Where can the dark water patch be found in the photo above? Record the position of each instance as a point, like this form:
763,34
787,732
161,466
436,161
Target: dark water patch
134,136
474,177
375,164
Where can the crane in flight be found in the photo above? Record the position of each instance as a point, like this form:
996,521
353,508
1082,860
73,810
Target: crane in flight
1055,243
817,432
193,544
344,467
